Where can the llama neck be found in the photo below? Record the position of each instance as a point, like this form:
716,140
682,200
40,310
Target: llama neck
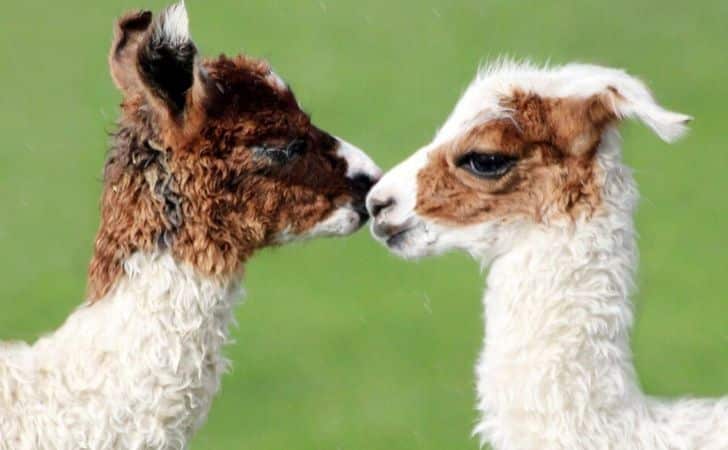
139,209
162,313
158,334
174,303
558,320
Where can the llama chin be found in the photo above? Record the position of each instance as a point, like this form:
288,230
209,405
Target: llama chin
527,176
212,160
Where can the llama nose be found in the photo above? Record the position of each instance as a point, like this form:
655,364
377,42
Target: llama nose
377,205
362,183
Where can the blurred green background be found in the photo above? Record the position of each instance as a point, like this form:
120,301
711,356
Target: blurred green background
340,345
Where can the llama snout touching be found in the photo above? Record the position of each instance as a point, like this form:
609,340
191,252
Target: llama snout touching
212,160
527,176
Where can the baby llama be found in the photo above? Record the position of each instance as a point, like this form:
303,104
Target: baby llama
212,160
526,175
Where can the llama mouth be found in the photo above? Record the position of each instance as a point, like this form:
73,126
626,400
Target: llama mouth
395,240
393,236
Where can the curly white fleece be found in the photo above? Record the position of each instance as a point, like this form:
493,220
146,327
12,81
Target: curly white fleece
137,370
556,372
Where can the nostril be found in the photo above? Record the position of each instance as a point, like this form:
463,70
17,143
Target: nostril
378,205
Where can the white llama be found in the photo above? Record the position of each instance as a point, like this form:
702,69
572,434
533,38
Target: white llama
212,161
526,175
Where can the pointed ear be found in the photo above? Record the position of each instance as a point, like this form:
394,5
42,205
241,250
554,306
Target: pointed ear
628,97
167,60
129,33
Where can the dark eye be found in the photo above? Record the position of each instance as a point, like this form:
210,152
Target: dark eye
296,148
487,165
282,153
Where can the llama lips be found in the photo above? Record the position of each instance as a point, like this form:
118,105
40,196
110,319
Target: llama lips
391,235
396,239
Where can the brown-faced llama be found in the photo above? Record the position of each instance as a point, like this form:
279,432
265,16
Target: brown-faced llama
212,160
527,176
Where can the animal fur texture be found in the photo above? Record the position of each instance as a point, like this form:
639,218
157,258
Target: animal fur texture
212,161
136,370
555,226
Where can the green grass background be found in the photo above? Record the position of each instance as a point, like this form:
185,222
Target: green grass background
340,345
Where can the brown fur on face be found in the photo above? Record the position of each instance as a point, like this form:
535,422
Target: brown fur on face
239,196
217,180
554,141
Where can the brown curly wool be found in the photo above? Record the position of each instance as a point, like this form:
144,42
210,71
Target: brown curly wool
237,166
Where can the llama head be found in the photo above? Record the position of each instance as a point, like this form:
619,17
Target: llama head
521,151
214,158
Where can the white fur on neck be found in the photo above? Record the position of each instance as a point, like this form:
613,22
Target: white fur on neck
556,371
136,370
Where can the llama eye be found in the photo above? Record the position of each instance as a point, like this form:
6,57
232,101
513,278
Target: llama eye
281,154
296,147
487,165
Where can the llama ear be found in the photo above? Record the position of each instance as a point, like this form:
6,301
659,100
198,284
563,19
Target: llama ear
628,97
129,33
167,59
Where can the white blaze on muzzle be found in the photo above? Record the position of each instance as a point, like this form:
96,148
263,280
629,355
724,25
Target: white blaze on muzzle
358,163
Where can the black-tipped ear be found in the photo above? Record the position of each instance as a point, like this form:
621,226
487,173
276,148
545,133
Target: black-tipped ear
167,58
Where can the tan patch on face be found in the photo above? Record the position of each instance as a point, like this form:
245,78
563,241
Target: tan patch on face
554,141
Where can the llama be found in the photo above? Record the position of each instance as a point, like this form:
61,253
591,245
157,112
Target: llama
212,160
526,175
